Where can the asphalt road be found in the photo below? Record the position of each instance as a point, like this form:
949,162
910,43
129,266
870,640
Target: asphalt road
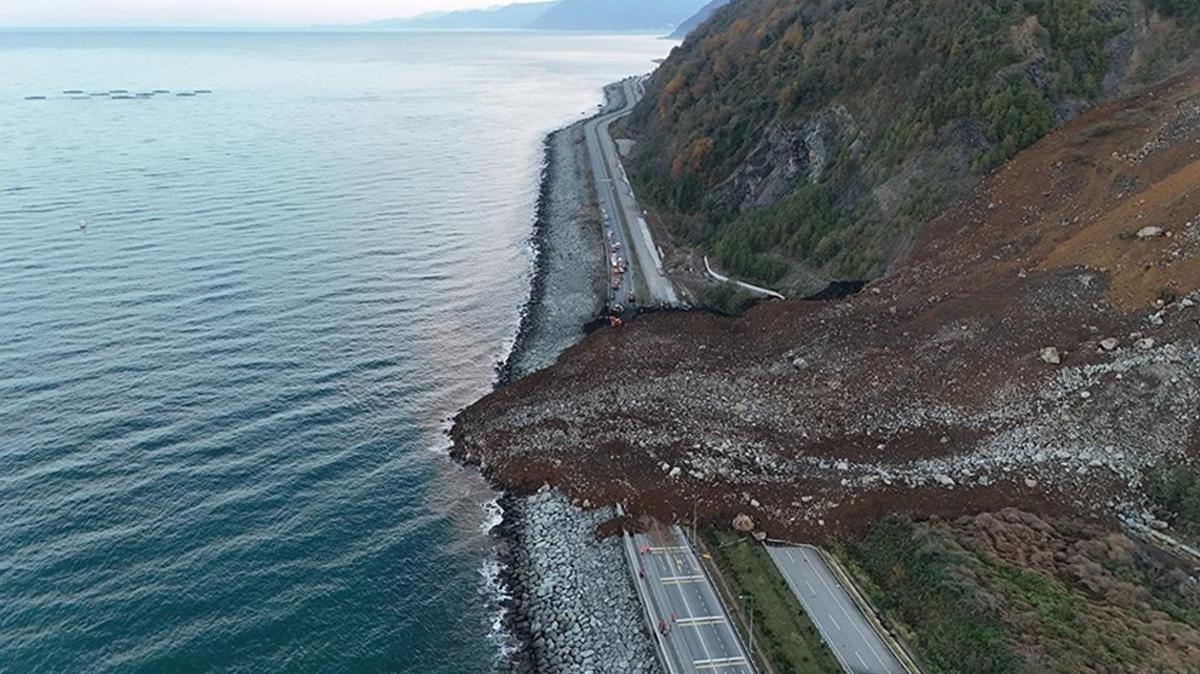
624,224
700,638
854,642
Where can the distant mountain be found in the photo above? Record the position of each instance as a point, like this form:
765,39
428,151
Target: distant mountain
698,18
617,15
493,18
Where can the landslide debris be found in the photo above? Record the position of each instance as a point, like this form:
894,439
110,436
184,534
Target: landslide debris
930,392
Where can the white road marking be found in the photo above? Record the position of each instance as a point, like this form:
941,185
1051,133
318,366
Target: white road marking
719,663
699,621
791,583
842,606
700,635
835,622
681,579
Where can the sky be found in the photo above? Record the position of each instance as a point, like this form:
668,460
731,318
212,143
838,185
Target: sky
29,13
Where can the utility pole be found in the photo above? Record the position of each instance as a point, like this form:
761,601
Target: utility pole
694,503
750,598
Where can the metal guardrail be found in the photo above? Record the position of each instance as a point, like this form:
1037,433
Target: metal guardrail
897,647
906,659
748,286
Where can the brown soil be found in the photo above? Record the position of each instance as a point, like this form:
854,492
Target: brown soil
926,393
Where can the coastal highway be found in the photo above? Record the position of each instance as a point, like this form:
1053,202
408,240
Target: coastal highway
699,638
623,220
854,642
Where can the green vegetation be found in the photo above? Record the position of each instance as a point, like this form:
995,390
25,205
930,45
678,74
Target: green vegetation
781,628
1061,618
1186,10
915,578
921,96
1176,491
1100,608
727,298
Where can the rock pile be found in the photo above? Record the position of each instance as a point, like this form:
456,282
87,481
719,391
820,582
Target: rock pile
573,599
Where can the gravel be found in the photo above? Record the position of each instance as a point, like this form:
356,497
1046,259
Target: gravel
568,286
576,605
572,605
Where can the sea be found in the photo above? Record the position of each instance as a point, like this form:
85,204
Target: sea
246,278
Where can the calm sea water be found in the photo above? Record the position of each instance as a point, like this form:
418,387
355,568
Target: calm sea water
220,404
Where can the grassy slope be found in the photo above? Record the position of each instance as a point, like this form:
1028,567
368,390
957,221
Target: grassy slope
783,631
971,611
913,577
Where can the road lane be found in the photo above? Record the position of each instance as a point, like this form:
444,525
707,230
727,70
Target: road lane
616,240
700,637
847,632
624,223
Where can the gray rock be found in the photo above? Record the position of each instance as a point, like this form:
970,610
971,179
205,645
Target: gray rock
743,523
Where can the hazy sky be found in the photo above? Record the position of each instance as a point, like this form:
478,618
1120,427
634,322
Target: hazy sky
217,12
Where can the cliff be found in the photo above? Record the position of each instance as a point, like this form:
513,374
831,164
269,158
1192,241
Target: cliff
820,136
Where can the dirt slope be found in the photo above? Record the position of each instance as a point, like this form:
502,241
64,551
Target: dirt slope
931,391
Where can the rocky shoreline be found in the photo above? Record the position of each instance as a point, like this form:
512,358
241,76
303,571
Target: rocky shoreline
1036,348
570,603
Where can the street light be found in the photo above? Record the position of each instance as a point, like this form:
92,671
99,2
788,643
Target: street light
750,598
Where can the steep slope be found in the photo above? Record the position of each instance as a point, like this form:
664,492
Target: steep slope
505,17
617,15
1009,592
698,18
793,135
1039,347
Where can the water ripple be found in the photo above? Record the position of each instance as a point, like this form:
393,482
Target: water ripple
216,402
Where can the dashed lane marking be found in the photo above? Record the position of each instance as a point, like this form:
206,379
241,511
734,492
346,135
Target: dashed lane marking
719,663
701,621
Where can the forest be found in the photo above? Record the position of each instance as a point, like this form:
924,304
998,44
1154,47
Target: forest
938,93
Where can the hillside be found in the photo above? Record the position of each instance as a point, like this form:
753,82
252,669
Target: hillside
1010,592
698,18
801,139
617,15
1038,347
504,17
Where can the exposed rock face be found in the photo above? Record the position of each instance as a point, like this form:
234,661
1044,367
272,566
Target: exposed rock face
933,373
787,156
890,111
